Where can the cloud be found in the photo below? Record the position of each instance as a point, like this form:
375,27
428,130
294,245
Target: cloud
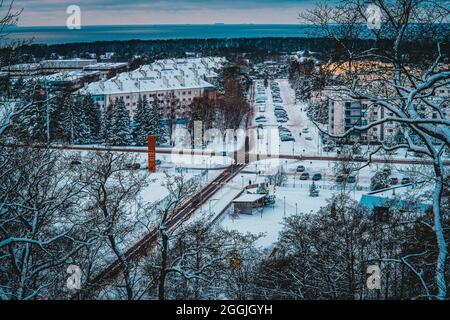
53,12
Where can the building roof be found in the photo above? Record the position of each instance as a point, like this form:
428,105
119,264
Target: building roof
162,75
370,202
106,65
249,198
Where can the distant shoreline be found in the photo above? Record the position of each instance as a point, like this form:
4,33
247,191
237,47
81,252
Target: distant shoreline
61,35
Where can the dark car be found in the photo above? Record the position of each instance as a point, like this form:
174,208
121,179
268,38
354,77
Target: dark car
394,181
351,179
339,179
132,166
406,181
304,176
158,162
301,169
75,163
317,177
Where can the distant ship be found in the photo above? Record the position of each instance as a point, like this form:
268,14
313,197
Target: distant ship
219,23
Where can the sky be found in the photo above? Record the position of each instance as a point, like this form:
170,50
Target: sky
123,12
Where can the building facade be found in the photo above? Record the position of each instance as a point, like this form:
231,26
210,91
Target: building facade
175,83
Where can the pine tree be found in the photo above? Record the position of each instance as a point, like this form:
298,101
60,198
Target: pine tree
106,124
120,124
82,130
142,122
30,126
93,119
313,191
157,127
148,122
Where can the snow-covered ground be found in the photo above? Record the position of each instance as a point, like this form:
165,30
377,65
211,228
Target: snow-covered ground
289,201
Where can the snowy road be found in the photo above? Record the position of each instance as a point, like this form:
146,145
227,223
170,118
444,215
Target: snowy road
298,121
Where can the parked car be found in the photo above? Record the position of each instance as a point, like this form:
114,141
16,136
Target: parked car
304,176
351,179
301,169
261,119
159,162
305,130
286,139
308,138
406,180
132,166
394,181
281,114
339,179
317,177
75,163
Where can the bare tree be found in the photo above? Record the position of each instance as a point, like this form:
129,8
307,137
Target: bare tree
404,89
41,228
113,189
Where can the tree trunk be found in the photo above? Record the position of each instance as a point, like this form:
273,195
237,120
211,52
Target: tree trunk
439,231
163,271
124,266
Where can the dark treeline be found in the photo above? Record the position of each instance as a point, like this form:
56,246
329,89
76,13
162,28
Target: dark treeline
256,48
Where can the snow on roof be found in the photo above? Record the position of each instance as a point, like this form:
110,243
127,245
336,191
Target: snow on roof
168,74
69,76
22,66
71,63
106,65
249,197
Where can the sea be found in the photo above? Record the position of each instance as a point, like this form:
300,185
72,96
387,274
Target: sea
61,35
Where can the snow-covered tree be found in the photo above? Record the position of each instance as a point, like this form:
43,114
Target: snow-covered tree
93,118
111,194
119,131
147,121
42,229
385,76
313,190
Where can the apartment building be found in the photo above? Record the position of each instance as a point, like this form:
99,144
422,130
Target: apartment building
345,113
174,82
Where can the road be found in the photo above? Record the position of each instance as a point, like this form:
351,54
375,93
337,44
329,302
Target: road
225,154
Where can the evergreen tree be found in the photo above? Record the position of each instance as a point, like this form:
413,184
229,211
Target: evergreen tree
106,124
120,124
313,191
156,125
142,122
148,122
30,125
82,129
93,119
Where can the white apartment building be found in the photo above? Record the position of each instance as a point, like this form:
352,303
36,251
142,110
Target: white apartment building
345,113
175,82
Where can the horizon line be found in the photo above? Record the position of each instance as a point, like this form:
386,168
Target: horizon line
166,24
